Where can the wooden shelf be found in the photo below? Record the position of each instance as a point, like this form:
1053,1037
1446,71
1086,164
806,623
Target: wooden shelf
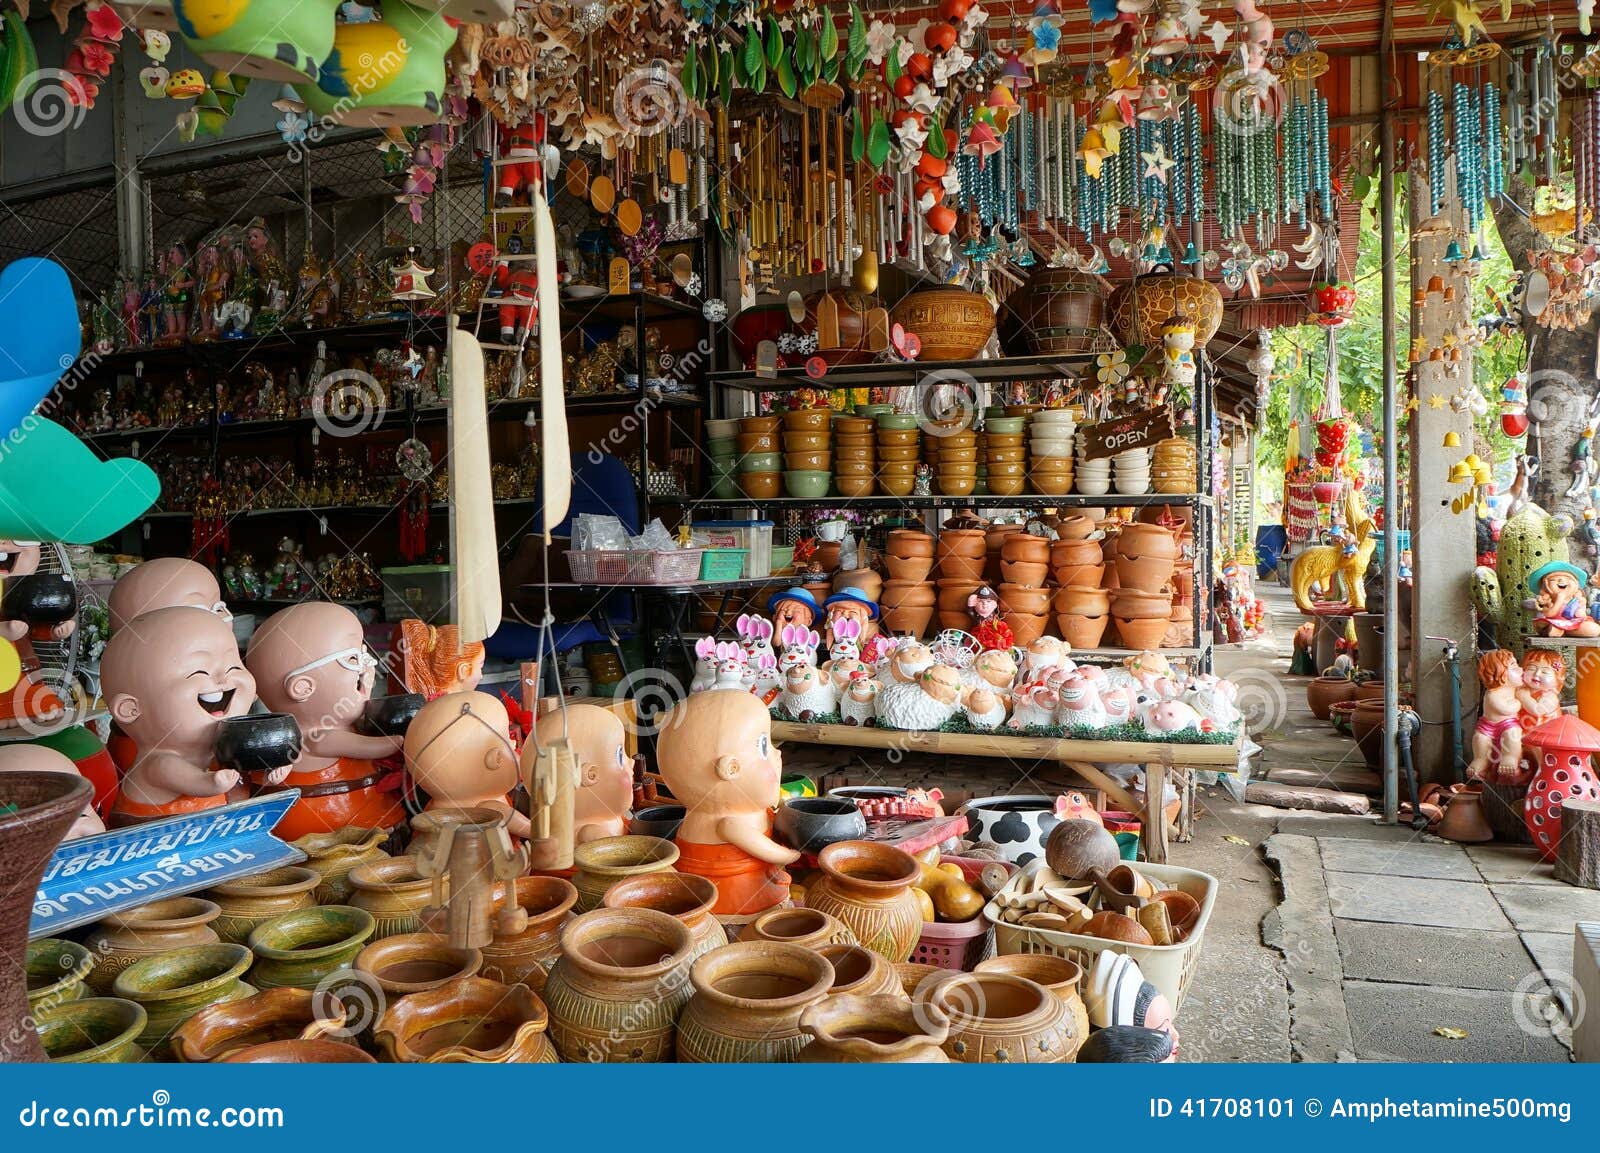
1027,500
900,374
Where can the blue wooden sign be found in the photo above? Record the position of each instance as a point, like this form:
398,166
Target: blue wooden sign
110,872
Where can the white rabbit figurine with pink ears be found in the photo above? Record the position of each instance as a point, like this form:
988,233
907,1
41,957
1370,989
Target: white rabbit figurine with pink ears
755,635
799,647
766,681
705,665
731,666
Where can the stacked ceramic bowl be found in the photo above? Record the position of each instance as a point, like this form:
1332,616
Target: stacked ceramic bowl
807,452
1005,454
1050,438
855,455
960,554
908,596
722,446
956,461
760,460
1130,472
899,446
1173,466
1091,477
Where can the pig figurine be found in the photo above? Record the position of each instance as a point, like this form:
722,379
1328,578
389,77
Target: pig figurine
1215,700
859,703
1170,716
983,707
1080,706
922,705
705,665
1034,705
807,693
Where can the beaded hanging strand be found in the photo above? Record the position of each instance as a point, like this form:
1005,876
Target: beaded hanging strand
1436,151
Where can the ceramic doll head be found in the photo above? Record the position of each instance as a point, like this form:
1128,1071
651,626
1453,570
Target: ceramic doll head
996,669
852,605
1499,669
168,582
311,661
716,754
792,607
599,743
458,748
1543,671
19,757
983,605
1177,335
170,676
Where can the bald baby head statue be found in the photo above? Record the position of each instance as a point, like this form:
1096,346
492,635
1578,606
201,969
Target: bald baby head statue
170,582
26,758
458,748
599,743
170,676
716,754
310,661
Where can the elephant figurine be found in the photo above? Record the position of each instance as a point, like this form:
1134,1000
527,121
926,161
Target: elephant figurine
1530,539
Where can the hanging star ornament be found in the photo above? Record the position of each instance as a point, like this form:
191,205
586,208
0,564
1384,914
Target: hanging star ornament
1413,404
1463,14
1219,33
1435,400
1157,162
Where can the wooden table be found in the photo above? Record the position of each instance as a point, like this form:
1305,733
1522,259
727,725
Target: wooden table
1082,757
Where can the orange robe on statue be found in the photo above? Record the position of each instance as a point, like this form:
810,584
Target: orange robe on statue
745,884
344,795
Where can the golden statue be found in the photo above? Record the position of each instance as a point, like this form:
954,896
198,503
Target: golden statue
1346,558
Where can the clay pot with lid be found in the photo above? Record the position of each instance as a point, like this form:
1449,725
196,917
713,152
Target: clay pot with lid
682,895
1087,575
248,901
273,1015
908,594
123,939
860,972
905,544
1021,546
1322,693
621,982
808,927
1145,573
1081,600
967,542
1024,572
747,1003
332,855
867,885
1058,974
394,892
877,1029
965,568
1026,627
470,1020
1026,599
524,958
604,862
999,1018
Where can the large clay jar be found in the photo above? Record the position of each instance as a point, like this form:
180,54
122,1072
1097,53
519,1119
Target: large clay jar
394,891
93,1031
469,1020
247,902
525,958
953,324
603,863
747,1003
997,1018
1082,632
1059,310
808,928
617,991
275,1015
123,939
1366,725
859,972
332,855
173,987
682,895
1140,539
416,962
1061,976
301,948
867,885
55,972
1322,693
1082,600
875,1030
1144,573
1141,307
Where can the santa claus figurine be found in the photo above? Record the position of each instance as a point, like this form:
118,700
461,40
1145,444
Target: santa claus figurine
521,161
518,285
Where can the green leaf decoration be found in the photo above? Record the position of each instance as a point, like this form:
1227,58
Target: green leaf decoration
774,41
805,57
855,55
891,65
689,75
935,146
758,78
785,74
751,57
878,142
830,68
830,38
712,68
725,76
858,137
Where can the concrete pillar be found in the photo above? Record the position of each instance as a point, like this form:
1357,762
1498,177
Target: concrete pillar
1443,542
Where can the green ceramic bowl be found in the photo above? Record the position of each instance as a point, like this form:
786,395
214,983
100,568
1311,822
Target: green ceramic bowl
725,446
1004,425
93,1031
807,484
899,420
56,970
299,949
172,987
782,556
873,409
726,488
762,462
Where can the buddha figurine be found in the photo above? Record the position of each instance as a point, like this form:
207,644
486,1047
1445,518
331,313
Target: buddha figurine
715,753
167,582
311,662
458,750
605,771
169,678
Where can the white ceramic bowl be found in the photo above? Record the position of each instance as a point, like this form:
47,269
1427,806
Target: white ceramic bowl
1053,449
1089,486
1127,486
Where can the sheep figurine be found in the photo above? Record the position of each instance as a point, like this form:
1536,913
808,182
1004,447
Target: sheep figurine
859,703
983,708
1079,704
922,705
807,693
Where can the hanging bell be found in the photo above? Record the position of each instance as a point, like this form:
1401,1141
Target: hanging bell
1436,354
1164,255
1460,472
1449,293
1452,439
1191,254
1477,254
1453,254
1419,299
1435,284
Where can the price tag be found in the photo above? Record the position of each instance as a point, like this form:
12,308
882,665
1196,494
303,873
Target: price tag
620,276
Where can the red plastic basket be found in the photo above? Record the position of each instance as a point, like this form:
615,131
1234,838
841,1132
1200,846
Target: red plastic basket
958,946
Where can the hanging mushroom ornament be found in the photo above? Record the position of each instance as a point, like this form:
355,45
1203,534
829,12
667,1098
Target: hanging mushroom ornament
1514,407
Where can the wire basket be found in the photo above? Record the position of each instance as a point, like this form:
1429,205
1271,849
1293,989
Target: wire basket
958,945
675,567
600,566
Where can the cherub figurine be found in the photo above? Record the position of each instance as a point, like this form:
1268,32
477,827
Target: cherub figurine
1497,739
1544,671
178,287
1558,589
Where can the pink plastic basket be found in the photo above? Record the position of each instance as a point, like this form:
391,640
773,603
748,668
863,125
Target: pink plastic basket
600,567
959,946
680,566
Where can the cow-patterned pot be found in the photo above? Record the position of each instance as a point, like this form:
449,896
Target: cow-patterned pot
1018,825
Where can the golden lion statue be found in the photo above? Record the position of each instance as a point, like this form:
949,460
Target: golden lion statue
1319,564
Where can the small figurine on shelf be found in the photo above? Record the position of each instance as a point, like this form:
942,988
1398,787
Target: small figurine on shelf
522,162
178,285
358,303
1497,738
1177,342
150,311
132,328
991,631
792,607
851,604
211,293
237,313
317,298
270,274
105,327
1559,597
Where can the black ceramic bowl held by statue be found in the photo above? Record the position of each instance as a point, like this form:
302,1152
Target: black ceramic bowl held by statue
258,743
390,716
811,824
657,821
39,599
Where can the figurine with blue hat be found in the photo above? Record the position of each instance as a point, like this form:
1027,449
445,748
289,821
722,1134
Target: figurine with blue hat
793,606
850,603
1558,589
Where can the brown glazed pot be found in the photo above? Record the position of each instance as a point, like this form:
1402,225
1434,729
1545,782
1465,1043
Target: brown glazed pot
470,1020
860,972
1058,310
159,927
1145,573
954,324
867,885
877,1030
603,863
525,958
1082,632
1061,976
275,1015
1020,546
394,892
415,962
682,895
809,928
1323,693
617,991
36,810
247,902
428,828
332,855
1144,634
1023,599
998,1018
298,1052
747,1003
1082,600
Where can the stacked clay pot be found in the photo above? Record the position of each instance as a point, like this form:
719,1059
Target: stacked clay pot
899,440
1142,603
909,598
1081,605
1005,455
955,459
855,456
994,540
807,452
760,457
1024,599
1173,466
960,556
1050,439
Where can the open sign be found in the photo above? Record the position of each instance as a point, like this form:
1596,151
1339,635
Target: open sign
1124,433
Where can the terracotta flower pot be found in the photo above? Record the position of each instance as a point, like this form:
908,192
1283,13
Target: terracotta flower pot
1146,573
811,928
907,622
859,972
1081,600
867,886
55,970
963,568
968,542
1088,575
1141,634
908,594
1324,692
908,570
864,579
469,1020
995,1017
1024,598
1137,604
1366,725
275,1015
1139,539
415,962
303,947
1075,527
1058,974
172,987
525,958
1066,553
1082,632
295,1052
905,543
953,620
147,931
332,855
1021,546
92,1031
394,892
682,895
619,987
953,593
1026,627
247,902
1024,572
747,1003
878,1030
603,863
